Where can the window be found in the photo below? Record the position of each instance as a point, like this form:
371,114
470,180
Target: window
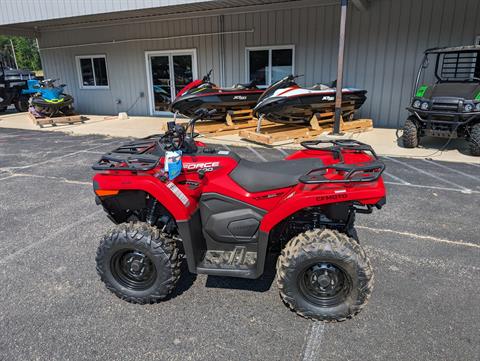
268,65
92,71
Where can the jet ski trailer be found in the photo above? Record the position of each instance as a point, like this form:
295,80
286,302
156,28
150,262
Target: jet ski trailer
203,94
286,102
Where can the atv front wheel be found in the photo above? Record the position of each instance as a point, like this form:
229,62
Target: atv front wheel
475,140
138,263
410,134
324,275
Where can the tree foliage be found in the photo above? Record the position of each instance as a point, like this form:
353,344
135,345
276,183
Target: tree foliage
26,52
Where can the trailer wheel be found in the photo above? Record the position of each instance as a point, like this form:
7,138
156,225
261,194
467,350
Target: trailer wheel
138,263
324,275
410,134
21,104
475,140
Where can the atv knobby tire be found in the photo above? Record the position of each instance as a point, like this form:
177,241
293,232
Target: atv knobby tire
324,247
410,135
160,250
475,140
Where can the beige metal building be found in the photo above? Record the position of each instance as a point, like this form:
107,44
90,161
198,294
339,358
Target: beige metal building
135,54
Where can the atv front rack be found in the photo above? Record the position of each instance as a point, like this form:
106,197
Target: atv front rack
132,156
358,172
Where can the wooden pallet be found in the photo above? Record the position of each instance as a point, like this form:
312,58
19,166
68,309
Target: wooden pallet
235,116
272,133
54,121
235,121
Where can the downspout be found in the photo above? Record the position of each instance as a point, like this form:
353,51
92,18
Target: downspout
221,23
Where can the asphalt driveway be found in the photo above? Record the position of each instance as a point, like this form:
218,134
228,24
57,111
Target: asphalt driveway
424,246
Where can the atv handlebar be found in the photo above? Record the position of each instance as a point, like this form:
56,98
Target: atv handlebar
177,137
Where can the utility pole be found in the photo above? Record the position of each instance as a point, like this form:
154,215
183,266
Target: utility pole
341,54
13,51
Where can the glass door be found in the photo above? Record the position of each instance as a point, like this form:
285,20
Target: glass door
168,73
160,71
182,72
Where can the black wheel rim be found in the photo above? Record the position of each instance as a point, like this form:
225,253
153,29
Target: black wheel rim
325,284
133,269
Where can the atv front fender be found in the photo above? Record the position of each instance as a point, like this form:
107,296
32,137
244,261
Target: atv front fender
179,207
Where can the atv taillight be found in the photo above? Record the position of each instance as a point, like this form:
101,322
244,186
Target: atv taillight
105,192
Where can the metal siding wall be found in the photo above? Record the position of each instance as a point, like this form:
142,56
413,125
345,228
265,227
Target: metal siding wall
383,50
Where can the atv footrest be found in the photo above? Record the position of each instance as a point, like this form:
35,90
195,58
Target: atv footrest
234,262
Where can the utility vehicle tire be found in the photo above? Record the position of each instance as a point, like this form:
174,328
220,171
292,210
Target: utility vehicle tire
67,111
21,104
475,140
138,263
410,134
324,275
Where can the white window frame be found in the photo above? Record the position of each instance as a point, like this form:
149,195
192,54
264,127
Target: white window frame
79,71
269,48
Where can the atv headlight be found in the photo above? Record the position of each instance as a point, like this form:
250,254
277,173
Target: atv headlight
468,108
477,107
424,106
417,103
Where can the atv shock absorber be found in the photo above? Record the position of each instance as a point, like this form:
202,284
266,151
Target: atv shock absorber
151,218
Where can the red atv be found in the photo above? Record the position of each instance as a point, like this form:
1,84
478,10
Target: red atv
225,213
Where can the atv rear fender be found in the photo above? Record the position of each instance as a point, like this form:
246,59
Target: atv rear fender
303,197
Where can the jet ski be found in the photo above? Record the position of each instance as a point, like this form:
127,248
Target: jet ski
202,93
286,102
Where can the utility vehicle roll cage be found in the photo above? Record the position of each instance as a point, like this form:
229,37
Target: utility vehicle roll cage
460,63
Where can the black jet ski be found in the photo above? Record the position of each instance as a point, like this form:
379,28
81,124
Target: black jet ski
203,93
286,102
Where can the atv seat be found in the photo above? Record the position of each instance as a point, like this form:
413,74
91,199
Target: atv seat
260,177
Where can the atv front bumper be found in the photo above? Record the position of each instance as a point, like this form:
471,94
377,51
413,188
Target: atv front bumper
443,124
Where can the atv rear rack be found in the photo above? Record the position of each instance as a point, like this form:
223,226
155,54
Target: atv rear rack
359,172
132,156
337,146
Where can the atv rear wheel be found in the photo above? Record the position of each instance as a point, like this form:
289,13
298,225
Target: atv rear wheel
138,263
324,275
475,140
410,134
21,104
